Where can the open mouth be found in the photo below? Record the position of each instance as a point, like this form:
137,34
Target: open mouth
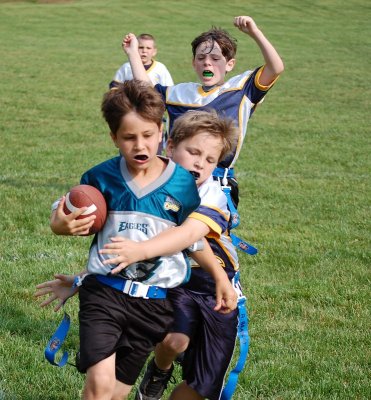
195,174
141,157
207,74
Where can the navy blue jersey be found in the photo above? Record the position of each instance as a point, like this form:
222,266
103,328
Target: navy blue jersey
236,99
140,214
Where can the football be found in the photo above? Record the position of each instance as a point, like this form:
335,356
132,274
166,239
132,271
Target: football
87,196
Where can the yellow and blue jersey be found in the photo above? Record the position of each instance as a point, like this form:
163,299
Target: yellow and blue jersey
236,99
214,212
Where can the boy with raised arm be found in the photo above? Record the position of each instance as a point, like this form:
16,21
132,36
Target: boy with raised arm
156,71
213,57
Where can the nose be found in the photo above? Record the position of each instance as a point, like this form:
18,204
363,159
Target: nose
207,60
139,144
200,162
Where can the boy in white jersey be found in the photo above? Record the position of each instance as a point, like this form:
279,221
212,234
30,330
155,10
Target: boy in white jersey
213,57
157,72
120,326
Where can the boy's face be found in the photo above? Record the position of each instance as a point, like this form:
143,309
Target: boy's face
198,154
210,64
147,50
138,141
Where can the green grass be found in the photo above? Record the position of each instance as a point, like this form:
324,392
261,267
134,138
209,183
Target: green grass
304,175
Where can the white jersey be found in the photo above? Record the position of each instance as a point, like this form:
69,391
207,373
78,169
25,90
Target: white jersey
157,72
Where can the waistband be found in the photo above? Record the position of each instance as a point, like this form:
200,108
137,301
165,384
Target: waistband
133,288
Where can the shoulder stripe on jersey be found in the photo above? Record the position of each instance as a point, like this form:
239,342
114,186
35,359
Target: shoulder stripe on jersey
215,229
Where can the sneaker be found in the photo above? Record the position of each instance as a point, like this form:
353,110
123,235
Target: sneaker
154,382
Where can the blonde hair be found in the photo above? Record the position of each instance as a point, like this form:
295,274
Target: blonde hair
192,123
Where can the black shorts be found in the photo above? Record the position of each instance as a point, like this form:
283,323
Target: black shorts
113,322
213,336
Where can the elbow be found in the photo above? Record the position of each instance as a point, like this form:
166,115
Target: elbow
279,67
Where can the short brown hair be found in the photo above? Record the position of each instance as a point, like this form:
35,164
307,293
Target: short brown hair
133,95
227,43
193,122
147,36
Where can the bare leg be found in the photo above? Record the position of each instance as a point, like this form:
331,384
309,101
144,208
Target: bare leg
100,380
167,351
121,391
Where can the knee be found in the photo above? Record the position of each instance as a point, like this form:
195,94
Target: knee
176,342
99,386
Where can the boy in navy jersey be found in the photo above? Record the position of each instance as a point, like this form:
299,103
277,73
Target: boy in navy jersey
122,316
213,57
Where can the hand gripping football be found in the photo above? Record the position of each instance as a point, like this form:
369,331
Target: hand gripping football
87,196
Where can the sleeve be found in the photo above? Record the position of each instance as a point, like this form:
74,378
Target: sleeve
213,210
166,79
123,73
253,89
187,194
162,90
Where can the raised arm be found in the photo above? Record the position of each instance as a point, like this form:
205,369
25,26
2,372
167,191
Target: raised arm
130,47
273,62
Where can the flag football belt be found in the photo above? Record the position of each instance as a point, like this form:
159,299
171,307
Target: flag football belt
244,339
132,288
59,336
223,174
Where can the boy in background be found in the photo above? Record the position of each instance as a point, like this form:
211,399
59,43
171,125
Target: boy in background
156,71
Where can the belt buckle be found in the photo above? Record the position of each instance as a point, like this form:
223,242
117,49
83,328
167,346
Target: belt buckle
137,289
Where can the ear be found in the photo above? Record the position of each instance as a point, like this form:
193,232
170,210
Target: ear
161,130
154,52
114,139
230,65
169,148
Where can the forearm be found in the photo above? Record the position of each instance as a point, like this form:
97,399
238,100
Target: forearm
207,261
174,239
137,67
273,62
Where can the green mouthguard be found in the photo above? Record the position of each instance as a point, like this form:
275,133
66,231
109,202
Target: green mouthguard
208,74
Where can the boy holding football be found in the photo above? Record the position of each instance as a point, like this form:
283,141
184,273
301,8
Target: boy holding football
118,326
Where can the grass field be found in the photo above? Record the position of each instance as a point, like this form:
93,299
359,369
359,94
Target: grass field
304,175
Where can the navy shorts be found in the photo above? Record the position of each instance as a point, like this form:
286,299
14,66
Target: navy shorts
113,322
212,340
